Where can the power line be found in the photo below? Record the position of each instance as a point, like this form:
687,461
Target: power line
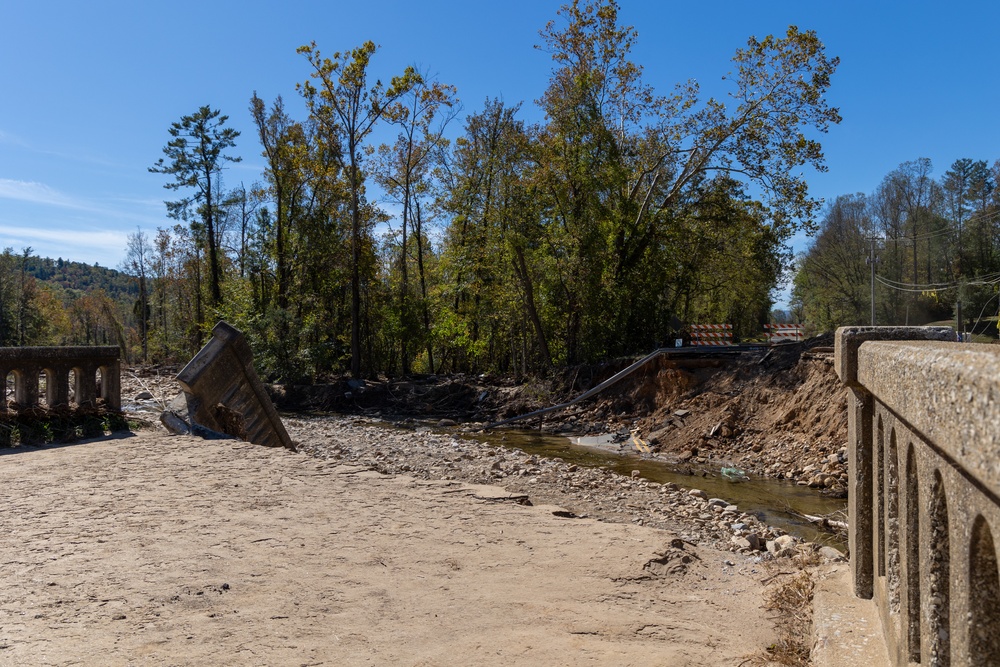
982,217
988,278
904,287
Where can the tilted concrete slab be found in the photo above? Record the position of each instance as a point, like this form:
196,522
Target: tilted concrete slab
223,393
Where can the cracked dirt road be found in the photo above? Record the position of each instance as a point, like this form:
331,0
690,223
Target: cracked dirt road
169,550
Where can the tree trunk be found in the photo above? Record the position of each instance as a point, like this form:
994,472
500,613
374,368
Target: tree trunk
521,268
355,267
423,291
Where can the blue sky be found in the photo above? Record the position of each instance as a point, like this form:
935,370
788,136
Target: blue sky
88,90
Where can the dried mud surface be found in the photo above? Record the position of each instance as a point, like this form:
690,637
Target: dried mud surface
372,545
169,550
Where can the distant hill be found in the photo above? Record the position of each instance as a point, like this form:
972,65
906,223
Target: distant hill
79,277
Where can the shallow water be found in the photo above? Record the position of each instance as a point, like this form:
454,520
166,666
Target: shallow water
775,502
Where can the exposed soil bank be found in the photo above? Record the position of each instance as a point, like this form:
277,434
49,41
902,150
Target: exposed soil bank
780,413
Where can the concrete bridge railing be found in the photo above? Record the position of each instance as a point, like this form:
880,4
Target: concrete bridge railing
924,500
28,364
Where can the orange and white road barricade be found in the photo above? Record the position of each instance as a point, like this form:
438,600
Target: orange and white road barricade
784,333
711,334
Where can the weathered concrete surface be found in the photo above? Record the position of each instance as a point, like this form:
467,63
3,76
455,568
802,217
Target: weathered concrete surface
859,490
169,550
223,393
848,339
924,458
949,393
846,629
27,363
860,454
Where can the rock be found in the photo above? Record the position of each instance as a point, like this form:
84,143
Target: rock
784,541
831,553
636,474
698,493
829,481
686,456
753,539
447,422
740,542
143,396
718,502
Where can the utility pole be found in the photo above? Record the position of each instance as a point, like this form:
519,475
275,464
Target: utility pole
871,263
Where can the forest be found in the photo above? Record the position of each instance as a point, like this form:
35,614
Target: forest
473,241
936,246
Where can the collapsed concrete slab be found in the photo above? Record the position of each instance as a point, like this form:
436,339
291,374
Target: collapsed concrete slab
222,395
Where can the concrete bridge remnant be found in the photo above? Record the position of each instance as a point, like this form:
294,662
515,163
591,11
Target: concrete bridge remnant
924,497
73,374
222,394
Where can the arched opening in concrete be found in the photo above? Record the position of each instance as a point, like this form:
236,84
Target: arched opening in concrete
879,522
984,594
912,555
892,521
6,429
55,389
71,379
8,389
43,389
939,604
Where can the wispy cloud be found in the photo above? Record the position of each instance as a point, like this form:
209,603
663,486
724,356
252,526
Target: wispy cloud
39,193
89,237
136,211
87,245
8,138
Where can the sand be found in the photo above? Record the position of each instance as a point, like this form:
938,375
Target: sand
170,550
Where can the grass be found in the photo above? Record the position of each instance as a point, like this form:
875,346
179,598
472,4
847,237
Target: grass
789,604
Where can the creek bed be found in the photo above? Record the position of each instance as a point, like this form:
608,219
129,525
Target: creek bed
778,503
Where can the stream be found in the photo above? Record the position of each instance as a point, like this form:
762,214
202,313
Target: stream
775,502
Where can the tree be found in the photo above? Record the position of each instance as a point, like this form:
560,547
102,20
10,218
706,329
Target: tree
343,102
403,170
616,161
832,281
195,158
493,244
960,184
138,260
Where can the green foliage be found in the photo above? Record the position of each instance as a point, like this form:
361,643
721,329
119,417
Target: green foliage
937,247
596,233
195,158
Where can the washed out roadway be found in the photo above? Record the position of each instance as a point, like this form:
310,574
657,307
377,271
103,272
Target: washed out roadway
169,550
